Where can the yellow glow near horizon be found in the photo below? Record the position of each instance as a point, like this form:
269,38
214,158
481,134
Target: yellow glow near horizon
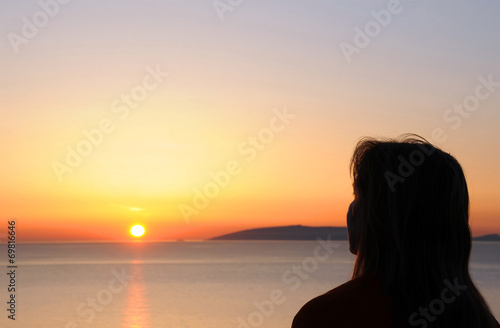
137,230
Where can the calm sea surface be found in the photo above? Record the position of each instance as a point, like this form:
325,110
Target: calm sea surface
187,284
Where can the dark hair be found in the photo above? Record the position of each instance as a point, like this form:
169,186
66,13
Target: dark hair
412,230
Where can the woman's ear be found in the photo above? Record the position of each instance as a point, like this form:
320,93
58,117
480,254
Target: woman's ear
352,222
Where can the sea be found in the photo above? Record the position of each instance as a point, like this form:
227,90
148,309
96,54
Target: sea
223,284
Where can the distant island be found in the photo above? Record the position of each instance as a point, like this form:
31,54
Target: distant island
299,232
296,232
492,237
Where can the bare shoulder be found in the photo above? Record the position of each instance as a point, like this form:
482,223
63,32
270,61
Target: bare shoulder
355,303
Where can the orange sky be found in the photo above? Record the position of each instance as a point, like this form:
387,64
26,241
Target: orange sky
120,113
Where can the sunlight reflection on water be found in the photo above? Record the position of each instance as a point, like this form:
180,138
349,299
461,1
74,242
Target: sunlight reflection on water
136,313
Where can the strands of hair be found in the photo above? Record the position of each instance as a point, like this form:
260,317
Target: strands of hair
411,212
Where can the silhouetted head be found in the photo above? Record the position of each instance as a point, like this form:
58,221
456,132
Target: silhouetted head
411,203
409,220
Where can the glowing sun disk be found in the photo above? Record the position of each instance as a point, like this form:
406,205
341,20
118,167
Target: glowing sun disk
137,230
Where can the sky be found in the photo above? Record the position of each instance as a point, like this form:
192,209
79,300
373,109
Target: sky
198,118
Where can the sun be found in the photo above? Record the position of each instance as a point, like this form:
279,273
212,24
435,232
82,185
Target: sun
137,230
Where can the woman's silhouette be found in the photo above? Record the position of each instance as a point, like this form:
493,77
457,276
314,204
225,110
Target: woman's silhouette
408,226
